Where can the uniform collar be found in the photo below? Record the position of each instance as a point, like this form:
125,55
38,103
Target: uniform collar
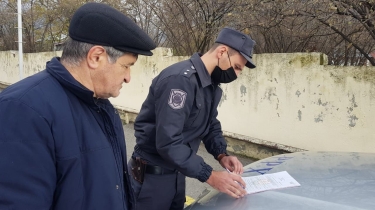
199,66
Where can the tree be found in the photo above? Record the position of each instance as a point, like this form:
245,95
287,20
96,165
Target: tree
341,29
354,22
8,26
186,26
142,14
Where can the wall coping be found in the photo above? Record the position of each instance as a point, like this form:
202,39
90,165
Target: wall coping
269,144
4,85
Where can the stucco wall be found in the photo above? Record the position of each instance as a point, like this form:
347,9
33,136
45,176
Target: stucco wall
289,100
296,100
32,63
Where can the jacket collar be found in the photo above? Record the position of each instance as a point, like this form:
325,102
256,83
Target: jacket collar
61,74
203,75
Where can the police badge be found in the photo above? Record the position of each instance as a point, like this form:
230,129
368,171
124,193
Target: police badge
177,99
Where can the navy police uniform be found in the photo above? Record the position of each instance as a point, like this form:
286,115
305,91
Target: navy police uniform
179,112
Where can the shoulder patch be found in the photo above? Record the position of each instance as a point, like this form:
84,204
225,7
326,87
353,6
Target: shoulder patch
177,99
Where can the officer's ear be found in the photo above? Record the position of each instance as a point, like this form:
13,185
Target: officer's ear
221,50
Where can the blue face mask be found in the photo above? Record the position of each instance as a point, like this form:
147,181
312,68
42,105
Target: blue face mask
223,76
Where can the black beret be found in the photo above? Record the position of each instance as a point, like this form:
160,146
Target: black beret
238,41
100,24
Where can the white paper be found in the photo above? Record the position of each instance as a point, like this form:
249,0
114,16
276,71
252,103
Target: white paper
273,181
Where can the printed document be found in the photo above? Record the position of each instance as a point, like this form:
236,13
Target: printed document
266,182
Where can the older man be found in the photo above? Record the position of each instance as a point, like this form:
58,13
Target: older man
62,144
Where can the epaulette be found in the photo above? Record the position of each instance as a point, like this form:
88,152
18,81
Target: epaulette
187,72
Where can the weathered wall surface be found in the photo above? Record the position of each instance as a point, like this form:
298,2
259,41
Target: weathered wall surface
296,100
32,63
290,102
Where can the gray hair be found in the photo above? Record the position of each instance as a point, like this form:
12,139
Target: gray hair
75,52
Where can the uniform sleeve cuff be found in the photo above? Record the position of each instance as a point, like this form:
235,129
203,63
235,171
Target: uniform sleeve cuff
221,150
205,173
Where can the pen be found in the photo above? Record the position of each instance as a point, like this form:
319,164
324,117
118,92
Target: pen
235,181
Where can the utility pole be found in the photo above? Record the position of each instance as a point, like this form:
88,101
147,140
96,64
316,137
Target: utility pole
20,51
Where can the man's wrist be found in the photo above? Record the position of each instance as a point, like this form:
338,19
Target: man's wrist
220,156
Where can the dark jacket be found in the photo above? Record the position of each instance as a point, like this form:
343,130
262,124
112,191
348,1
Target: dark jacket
180,111
60,148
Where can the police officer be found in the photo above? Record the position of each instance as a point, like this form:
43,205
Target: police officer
179,112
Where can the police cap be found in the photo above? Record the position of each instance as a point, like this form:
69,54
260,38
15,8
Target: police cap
238,41
100,24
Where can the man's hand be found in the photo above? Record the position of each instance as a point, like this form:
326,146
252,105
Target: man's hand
227,183
232,164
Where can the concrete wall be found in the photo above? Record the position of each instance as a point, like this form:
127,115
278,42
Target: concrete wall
32,63
290,102
297,100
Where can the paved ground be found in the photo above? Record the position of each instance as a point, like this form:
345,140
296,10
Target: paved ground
193,186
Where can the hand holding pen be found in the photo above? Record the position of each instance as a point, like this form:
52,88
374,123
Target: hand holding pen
232,163
243,186
229,183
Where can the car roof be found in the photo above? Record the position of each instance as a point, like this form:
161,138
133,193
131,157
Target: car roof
329,180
